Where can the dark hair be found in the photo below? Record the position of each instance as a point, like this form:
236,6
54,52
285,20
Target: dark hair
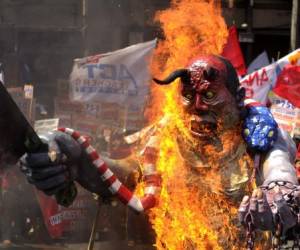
232,82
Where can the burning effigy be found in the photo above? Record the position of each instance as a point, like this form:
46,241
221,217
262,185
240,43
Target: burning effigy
206,148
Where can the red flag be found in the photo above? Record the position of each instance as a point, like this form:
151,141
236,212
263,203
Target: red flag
232,51
52,217
288,84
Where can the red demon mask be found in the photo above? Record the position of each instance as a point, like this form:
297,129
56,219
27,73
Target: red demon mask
209,93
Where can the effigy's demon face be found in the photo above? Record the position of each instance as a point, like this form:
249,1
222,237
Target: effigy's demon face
209,86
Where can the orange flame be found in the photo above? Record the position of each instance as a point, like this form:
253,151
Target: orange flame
186,216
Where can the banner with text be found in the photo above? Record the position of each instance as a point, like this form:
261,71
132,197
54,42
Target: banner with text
113,77
286,114
260,82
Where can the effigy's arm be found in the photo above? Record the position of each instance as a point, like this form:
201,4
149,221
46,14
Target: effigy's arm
274,206
279,161
91,179
112,182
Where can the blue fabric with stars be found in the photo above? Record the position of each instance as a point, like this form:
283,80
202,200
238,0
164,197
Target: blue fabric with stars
260,130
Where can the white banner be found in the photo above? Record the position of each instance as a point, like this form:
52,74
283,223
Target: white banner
260,82
286,114
260,61
113,77
46,125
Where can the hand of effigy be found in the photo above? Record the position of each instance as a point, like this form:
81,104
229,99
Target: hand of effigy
65,162
52,171
272,208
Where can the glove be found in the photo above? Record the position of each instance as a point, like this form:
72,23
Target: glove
270,206
259,129
54,171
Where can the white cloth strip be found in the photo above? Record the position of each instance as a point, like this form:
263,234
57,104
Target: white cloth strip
90,149
249,101
151,190
107,174
114,188
136,204
153,142
81,139
98,163
149,169
69,131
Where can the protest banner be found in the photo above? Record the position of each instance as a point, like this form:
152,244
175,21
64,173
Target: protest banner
288,84
73,220
28,91
260,82
113,77
286,114
108,86
65,106
260,61
63,88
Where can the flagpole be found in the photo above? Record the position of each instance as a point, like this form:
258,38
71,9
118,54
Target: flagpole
94,226
125,117
84,26
295,26
30,111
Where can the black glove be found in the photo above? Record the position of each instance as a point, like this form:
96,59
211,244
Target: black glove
55,171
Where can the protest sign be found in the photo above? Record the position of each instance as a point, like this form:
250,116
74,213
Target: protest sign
286,114
28,91
260,82
113,77
60,220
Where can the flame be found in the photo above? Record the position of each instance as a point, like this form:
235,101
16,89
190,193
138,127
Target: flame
187,215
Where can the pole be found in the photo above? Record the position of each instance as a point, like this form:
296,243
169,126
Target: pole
295,26
84,26
94,227
249,21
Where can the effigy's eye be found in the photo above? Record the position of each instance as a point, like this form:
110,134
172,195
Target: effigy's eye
209,95
188,96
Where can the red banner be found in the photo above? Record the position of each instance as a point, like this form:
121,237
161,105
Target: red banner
288,84
51,214
232,51
60,220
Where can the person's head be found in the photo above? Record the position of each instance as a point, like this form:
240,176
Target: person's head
210,92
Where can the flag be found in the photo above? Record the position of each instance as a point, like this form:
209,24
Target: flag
1,73
260,82
288,84
115,77
232,51
260,61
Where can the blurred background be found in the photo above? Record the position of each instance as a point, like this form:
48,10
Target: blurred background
39,39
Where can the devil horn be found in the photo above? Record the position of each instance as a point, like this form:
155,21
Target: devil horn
182,73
